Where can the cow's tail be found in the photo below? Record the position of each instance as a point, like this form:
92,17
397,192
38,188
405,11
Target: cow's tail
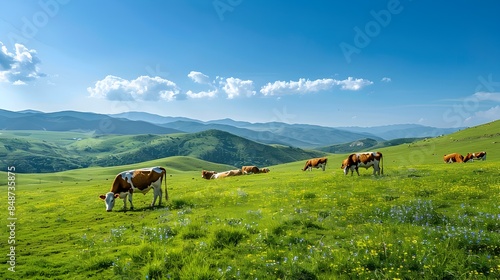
164,177
382,164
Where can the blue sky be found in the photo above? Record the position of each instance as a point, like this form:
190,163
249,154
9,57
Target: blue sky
332,63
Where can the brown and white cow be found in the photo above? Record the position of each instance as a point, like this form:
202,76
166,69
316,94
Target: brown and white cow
229,173
366,160
140,180
264,170
208,174
316,163
250,169
454,157
216,175
473,156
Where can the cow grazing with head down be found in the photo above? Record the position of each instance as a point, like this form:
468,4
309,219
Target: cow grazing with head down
140,180
473,156
454,157
316,163
366,160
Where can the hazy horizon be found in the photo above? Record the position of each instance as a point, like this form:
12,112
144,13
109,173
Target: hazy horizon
330,64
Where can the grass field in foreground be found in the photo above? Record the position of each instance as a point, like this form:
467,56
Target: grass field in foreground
418,221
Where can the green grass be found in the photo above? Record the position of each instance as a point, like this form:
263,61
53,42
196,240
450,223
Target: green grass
423,219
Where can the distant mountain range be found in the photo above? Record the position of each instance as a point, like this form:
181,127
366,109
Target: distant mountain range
133,123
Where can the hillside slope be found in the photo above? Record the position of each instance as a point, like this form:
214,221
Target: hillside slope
364,144
34,152
484,137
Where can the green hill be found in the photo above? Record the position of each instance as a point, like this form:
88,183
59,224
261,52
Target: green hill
35,151
484,137
363,144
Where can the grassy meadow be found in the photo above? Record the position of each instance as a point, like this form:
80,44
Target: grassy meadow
422,219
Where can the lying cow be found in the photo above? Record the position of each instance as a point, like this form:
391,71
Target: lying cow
366,160
215,175
251,169
454,157
264,170
473,156
141,180
316,163
235,172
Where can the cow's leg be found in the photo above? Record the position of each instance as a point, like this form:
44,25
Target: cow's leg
157,192
357,171
125,202
324,165
130,199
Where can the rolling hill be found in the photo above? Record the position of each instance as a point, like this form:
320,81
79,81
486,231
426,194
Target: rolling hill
36,152
364,145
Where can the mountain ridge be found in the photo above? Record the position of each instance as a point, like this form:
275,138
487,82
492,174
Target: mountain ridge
130,123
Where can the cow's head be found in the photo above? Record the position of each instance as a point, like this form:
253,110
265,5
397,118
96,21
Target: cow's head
207,174
109,199
345,163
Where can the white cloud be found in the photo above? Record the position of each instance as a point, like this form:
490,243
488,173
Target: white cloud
199,77
202,94
19,67
487,96
234,87
300,86
354,84
386,80
19,83
307,86
490,114
480,117
143,88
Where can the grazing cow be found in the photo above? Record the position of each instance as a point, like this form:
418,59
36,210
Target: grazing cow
454,157
366,160
316,163
140,180
473,156
251,169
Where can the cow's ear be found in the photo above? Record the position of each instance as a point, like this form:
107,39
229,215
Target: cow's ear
116,195
103,197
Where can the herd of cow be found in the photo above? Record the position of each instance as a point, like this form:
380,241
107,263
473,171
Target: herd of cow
456,157
245,170
143,180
